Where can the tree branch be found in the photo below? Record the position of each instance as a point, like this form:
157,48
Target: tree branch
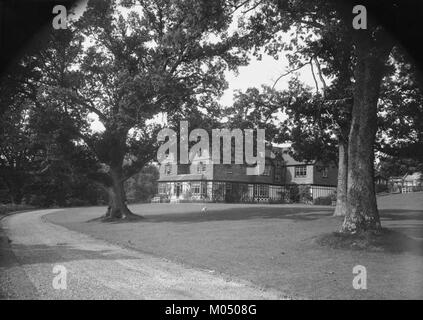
314,76
289,72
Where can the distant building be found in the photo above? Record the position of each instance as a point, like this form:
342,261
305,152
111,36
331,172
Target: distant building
283,180
412,182
407,183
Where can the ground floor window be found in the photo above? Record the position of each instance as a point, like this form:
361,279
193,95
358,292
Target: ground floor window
162,188
196,188
262,191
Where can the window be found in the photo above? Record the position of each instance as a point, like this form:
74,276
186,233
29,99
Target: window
195,188
262,190
162,188
300,171
201,167
325,172
168,169
278,174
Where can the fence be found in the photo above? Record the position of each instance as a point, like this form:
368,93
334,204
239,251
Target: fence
407,189
239,192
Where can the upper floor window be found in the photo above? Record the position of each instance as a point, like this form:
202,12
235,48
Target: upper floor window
300,171
201,167
278,174
325,172
266,171
168,169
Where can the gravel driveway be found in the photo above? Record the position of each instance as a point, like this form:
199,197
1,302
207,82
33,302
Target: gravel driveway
31,247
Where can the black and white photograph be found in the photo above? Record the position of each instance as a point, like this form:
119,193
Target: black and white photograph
225,151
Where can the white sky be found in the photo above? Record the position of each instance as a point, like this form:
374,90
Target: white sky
264,72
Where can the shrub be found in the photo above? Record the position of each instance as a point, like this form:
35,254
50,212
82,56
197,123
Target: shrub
294,194
277,201
75,202
323,201
304,194
381,188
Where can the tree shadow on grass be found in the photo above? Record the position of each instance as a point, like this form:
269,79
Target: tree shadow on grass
401,214
131,218
387,241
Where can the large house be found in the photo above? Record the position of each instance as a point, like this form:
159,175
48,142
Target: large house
284,180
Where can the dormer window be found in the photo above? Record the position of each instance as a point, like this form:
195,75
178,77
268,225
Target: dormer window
278,173
201,167
300,171
325,172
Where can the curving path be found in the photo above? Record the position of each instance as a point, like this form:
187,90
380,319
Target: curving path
31,247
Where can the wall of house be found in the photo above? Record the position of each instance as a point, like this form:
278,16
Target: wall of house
238,173
332,177
288,175
206,168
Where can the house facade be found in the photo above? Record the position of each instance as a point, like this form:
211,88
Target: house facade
407,183
283,180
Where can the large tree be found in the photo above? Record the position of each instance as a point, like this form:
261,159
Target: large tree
400,117
324,45
125,65
367,51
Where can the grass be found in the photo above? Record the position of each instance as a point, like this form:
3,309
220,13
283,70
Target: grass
277,246
385,240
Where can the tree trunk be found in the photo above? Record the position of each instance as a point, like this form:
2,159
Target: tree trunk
341,191
362,213
117,201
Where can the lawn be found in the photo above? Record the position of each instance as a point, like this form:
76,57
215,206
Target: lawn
270,245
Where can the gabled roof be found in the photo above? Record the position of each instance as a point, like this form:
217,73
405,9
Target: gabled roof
413,177
270,153
287,158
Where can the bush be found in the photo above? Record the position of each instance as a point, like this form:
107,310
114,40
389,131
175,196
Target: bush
75,202
381,188
10,207
294,194
277,201
304,194
323,201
